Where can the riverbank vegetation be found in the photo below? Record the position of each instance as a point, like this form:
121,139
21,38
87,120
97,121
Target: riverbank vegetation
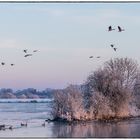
110,92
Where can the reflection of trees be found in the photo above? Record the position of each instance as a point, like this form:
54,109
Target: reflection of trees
95,129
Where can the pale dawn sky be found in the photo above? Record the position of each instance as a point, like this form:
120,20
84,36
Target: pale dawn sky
65,34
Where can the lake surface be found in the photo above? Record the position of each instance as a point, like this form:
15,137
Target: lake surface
13,113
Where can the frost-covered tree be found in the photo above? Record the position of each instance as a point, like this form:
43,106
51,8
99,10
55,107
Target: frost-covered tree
115,81
68,104
108,93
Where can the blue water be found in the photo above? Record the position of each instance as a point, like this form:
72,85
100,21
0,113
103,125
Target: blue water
35,113
25,111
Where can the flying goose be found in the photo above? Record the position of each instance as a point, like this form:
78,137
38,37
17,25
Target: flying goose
110,28
11,127
91,57
25,51
43,124
120,29
35,50
2,63
115,49
112,45
28,55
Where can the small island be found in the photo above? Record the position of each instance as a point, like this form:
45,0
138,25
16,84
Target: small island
109,93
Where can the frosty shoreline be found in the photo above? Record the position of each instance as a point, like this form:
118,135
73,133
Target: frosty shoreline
25,100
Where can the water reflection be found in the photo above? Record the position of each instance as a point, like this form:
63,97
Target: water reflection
128,128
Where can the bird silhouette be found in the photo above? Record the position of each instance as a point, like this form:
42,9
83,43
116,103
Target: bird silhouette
43,124
25,51
110,28
11,128
91,57
120,29
28,55
2,63
12,64
98,57
24,124
112,45
115,49
35,50
2,127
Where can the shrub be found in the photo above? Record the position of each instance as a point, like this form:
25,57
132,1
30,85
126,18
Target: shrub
115,82
69,104
109,92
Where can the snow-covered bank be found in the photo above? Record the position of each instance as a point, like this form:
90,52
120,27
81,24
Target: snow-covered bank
25,100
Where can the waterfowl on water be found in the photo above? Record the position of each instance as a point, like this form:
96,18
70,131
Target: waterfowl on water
23,124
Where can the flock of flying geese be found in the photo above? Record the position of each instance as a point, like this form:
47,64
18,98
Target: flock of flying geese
26,55
112,45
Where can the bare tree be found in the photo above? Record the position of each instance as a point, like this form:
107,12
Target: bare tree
108,93
115,81
124,71
60,103
69,104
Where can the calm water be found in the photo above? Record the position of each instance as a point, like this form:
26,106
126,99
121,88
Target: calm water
35,114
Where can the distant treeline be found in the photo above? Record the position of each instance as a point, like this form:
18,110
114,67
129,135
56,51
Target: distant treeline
7,93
